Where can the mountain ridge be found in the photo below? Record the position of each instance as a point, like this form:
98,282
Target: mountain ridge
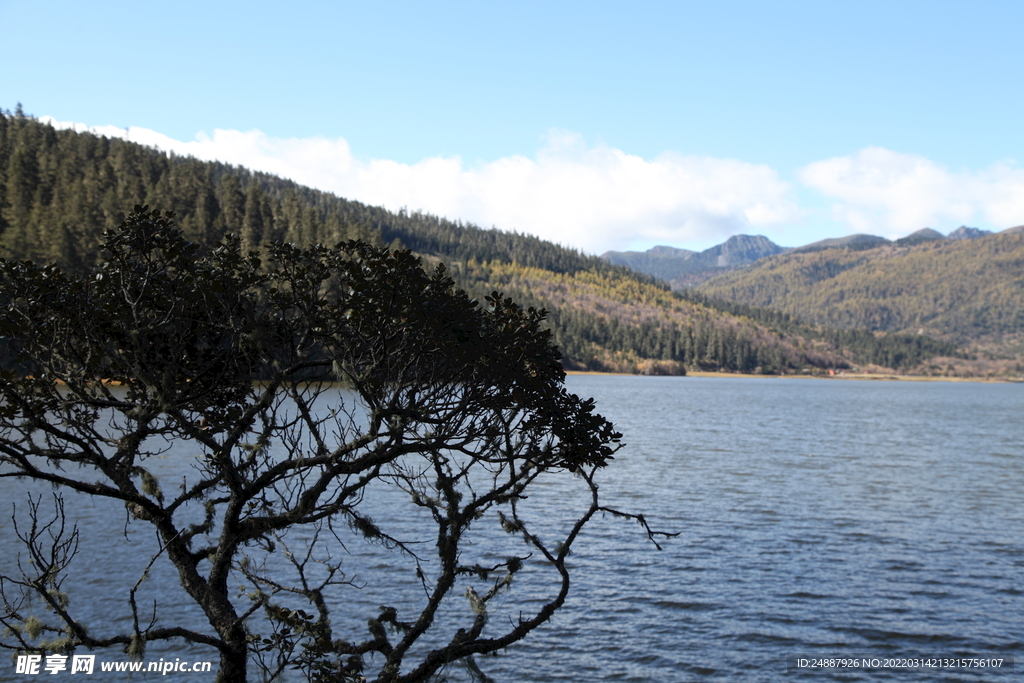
681,267
966,287
686,268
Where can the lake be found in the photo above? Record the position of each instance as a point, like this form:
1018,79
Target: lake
817,519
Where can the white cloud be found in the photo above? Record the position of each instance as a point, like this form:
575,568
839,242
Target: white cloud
887,192
597,197
592,198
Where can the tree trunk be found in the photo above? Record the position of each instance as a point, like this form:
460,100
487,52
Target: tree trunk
233,663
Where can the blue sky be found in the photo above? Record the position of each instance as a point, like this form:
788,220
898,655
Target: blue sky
599,125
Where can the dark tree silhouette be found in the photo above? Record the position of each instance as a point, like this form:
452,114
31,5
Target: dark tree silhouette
306,381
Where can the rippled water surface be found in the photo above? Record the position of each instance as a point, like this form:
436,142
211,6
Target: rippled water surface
816,518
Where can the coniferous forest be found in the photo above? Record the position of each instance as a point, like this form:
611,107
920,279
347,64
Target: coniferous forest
61,189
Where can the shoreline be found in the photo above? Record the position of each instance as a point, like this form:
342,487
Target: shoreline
847,376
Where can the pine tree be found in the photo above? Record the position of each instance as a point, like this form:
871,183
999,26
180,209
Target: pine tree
232,203
252,232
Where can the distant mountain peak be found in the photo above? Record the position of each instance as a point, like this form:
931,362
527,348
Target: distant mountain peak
685,267
741,250
858,241
919,236
662,250
966,233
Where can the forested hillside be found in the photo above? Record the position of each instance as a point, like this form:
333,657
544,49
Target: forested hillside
961,290
59,190
622,323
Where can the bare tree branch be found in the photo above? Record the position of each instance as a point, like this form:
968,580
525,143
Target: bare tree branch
306,385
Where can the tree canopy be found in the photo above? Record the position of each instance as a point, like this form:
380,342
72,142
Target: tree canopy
305,380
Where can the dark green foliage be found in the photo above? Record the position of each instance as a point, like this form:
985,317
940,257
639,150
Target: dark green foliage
60,190
890,350
454,408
